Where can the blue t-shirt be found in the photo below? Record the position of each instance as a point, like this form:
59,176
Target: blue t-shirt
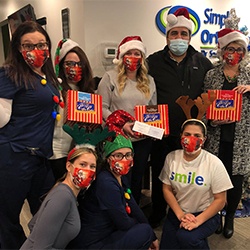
31,123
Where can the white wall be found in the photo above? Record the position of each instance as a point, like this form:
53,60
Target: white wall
51,9
97,22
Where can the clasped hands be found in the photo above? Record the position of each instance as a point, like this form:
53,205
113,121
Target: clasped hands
189,222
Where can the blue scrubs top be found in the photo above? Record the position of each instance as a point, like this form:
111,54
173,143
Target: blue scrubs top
31,123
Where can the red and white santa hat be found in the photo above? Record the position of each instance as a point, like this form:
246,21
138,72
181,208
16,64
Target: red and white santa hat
226,36
180,18
128,43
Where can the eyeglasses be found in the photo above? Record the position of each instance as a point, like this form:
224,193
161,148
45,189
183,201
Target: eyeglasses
120,156
30,46
231,50
72,64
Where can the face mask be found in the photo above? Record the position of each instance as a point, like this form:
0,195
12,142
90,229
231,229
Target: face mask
121,167
132,63
232,59
74,73
178,46
191,144
82,178
35,58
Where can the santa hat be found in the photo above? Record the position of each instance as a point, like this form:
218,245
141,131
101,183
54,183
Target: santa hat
180,18
226,36
63,47
128,43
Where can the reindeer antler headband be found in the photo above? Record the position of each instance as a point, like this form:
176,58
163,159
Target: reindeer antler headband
202,103
84,139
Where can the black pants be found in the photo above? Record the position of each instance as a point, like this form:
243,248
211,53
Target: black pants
58,167
234,194
142,151
160,149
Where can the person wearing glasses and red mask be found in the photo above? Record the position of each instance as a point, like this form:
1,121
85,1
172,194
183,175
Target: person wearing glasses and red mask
29,100
73,68
229,140
110,216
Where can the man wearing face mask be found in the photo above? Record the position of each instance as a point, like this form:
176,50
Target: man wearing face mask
178,70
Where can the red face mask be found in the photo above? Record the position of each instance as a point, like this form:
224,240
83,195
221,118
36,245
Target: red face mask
36,58
132,63
191,144
232,59
82,178
121,167
74,73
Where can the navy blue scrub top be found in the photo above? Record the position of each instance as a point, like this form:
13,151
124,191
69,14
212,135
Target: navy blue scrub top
31,123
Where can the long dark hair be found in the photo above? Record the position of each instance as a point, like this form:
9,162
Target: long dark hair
16,67
87,83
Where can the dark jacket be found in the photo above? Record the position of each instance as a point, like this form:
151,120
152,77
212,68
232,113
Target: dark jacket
173,80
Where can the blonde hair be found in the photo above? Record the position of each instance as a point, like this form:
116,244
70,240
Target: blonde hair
79,151
141,77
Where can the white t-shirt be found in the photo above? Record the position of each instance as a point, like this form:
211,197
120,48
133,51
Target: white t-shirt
195,182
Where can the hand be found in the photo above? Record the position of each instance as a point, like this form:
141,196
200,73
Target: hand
154,245
189,225
220,122
241,89
127,128
188,218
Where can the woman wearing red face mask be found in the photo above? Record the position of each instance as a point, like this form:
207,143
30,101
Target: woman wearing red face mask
229,139
110,217
194,187
58,221
123,88
29,102
73,68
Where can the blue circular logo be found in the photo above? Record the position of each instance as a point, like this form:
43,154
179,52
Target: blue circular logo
161,18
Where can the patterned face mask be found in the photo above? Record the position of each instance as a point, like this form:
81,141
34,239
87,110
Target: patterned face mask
132,63
121,167
191,144
82,178
73,73
36,58
232,59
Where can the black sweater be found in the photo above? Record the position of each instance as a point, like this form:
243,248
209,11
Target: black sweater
173,80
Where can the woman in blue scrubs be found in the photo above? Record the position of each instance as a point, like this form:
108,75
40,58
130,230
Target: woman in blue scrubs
28,106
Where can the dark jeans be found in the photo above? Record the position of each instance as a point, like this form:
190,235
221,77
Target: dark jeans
22,176
174,237
160,149
58,167
139,236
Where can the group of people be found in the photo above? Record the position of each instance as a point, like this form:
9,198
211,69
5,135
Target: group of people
98,207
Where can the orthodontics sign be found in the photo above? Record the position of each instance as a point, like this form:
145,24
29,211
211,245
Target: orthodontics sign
208,39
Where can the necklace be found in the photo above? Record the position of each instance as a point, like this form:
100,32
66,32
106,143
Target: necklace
127,194
56,99
231,79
